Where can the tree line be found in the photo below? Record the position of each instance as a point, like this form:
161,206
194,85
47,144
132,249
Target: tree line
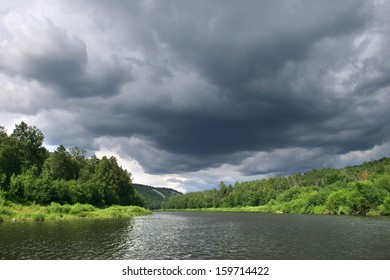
362,189
30,173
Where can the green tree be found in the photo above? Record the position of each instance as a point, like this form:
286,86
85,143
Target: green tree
79,159
11,158
3,134
30,140
60,165
23,187
370,196
114,185
384,208
340,202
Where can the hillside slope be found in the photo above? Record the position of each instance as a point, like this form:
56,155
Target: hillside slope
154,197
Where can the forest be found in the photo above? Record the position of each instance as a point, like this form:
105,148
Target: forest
358,190
29,173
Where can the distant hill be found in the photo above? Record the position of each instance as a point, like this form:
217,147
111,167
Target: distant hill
154,196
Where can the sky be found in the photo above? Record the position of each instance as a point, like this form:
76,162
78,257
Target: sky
190,93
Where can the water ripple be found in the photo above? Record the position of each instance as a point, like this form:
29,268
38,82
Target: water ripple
200,236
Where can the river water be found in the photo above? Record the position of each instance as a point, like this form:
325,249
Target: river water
200,236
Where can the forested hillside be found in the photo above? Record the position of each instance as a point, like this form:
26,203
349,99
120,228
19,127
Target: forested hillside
362,189
153,196
30,173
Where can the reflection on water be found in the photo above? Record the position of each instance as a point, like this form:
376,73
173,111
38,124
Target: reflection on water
200,236
78,239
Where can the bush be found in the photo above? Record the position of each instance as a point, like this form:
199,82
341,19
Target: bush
320,209
3,200
317,198
344,210
81,208
338,201
297,206
57,208
60,190
117,211
383,182
293,193
384,208
371,196
4,210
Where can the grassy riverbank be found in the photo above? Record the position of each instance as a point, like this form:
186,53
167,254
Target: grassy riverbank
16,212
262,209
220,209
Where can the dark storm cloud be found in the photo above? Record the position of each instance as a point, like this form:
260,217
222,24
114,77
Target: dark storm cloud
191,85
270,64
53,58
233,43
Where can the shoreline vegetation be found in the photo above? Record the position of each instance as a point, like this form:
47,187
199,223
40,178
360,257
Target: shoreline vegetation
10,212
263,209
38,185
354,190
259,209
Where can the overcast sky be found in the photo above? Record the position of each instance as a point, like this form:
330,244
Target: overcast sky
188,93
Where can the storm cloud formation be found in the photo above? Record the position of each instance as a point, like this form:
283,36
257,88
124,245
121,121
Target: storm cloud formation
201,89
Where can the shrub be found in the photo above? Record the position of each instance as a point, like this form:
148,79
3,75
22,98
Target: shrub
383,182
320,209
4,210
344,210
384,208
293,193
3,200
297,206
81,208
317,198
338,199
370,196
55,207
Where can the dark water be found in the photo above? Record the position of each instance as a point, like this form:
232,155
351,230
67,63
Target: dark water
200,236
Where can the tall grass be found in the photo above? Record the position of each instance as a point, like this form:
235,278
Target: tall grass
56,211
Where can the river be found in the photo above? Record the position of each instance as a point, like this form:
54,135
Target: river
200,236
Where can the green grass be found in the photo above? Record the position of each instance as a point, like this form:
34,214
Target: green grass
56,211
221,209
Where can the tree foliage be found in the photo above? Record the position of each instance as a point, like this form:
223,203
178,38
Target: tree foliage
362,189
29,173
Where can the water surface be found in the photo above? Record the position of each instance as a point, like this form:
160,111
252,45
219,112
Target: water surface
200,236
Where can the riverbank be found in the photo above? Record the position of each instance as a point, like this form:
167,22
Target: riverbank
56,211
220,209
267,209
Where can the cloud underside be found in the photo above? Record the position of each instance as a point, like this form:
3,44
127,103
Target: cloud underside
183,86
